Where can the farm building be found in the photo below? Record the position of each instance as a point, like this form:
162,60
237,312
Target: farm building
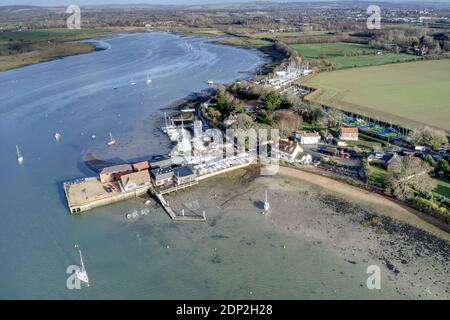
114,173
349,134
307,137
135,180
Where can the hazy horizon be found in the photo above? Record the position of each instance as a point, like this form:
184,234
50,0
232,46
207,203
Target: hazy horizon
177,2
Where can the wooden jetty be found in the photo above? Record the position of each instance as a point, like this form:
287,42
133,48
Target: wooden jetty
176,217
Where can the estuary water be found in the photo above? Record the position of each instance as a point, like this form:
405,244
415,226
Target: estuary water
151,258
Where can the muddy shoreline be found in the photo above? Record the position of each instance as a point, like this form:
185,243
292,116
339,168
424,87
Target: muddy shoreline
414,261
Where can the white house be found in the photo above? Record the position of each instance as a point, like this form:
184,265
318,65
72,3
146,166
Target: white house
288,150
135,180
307,137
303,158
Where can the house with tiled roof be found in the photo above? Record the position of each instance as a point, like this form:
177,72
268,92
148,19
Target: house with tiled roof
307,137
349,134
288,150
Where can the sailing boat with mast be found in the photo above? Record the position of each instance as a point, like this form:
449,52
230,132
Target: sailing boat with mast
82,274
266,204
149,81
19,155
112,141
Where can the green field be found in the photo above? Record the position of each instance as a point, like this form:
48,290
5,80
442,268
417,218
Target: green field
348,55
56,34
410,94
443,187
43,45
378,176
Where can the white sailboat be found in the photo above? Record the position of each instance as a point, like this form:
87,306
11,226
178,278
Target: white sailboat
82,274
149,81
57,136
112,141
133,82
266,204
19,156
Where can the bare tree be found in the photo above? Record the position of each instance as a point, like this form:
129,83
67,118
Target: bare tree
429,137
412,178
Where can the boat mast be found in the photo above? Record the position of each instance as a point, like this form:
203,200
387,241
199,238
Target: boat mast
82,263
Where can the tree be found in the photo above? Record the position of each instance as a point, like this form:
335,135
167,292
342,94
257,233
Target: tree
222,103
287,121
365,171
412,178
429,137
442,165
272,101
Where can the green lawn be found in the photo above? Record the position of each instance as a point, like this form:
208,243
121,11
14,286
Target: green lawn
443,187
410,94
333,49
378,176
349,55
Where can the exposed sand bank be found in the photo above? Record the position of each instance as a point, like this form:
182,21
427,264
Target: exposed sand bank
358,228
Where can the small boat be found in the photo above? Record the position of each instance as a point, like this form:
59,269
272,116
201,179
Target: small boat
132,215
114,88
112,141
266,204
149,81
57,136
210,82
132,82
93,137
82,274
19,155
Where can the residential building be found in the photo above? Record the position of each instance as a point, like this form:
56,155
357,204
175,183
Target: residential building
162,176
141,166
184,175
349,134
114,173
393,162
159,161
135,180
288,150
303,158
307,137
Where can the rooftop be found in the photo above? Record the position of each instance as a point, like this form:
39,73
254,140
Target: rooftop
139,178
118,168
287,146
140,166
349,130
308,133
160,171
183,171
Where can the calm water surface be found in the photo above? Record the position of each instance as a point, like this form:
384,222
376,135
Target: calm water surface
75,96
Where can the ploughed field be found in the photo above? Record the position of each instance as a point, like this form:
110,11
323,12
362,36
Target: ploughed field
410,94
